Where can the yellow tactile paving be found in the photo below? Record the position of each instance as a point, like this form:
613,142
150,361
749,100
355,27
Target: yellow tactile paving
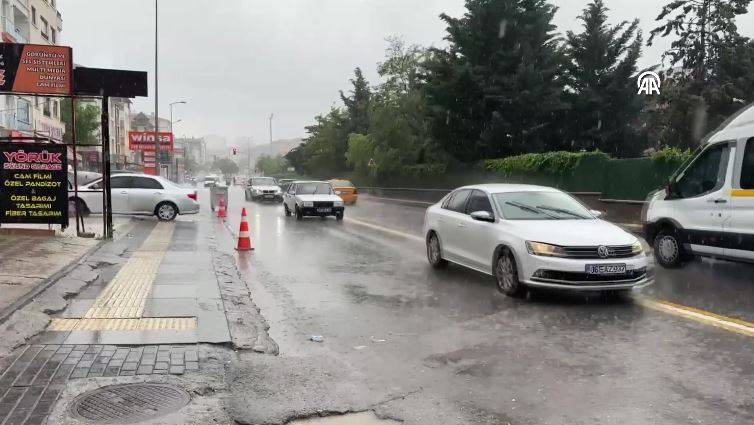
120,305
142,324
124,297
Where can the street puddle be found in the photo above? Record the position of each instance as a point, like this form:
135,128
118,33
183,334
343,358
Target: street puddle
363,418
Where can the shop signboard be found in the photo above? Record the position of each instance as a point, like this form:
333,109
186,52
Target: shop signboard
35,183
36,69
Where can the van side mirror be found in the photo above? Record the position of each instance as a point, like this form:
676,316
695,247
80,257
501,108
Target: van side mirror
483,216
597,213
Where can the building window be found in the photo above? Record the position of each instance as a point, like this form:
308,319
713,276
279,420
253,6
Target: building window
45,27
34,15
22,111
53,36
47,107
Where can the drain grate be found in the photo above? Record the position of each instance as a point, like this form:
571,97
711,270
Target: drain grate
129,403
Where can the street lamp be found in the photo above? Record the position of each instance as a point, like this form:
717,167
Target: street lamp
180,102
156,95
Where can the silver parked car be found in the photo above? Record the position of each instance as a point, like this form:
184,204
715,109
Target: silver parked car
139,194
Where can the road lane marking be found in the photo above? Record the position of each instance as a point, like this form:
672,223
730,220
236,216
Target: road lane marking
700,316
386,229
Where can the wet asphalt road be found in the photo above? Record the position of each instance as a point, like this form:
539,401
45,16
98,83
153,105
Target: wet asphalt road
457,352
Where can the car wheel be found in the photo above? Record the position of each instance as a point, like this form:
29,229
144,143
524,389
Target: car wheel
434,252
299,213
339,216
287,211
506,274
166,211
668,249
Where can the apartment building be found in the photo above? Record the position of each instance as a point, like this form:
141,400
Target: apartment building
32,22
16,115
45,26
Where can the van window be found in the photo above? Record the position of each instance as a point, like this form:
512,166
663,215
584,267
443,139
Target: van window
706,174
747,166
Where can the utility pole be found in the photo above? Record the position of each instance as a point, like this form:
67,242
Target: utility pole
249,157
271,116
156,97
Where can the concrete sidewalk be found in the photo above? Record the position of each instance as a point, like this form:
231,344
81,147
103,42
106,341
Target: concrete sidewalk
26,262
29,261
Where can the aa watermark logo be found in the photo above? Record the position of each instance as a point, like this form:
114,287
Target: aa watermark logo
648,83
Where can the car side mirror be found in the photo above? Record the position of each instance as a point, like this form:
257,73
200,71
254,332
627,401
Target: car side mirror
597,213
483,216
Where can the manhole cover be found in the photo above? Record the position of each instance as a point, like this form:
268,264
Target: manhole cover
129,403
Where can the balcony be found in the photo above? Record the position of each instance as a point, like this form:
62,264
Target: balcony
14,31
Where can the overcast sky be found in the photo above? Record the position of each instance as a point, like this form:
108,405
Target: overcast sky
237,61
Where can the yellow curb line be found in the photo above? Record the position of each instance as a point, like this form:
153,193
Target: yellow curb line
705,317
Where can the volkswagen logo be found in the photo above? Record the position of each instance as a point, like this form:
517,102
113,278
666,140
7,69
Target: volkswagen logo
603,251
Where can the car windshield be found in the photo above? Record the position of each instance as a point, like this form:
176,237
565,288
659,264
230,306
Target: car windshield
540,205
263,181
313,189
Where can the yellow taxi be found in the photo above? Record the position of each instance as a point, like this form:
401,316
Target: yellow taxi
345,189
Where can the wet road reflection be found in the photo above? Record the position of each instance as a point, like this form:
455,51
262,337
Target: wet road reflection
381,309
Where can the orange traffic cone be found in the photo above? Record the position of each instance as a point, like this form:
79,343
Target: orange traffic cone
244,239
221,213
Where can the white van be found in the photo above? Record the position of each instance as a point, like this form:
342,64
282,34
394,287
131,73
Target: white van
708,207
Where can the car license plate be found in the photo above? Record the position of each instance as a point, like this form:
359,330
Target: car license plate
605,269
324,210
268,196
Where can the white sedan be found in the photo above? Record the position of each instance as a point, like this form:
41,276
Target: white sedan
138,194
533,236
312,198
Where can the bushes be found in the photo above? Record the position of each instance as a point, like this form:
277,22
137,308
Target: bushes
424,170
672,156
591,171
550,163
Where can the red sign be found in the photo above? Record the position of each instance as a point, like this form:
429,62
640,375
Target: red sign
35,69
144,141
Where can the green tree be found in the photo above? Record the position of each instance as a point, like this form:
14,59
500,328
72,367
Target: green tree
272,165
325,147
714,74
88,122
704,30
357,103
226,166
497,89
361,152
601,62
296,159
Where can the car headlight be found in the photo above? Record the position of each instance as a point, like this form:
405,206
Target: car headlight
338,203
545,250
637,248
307,204
337,192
